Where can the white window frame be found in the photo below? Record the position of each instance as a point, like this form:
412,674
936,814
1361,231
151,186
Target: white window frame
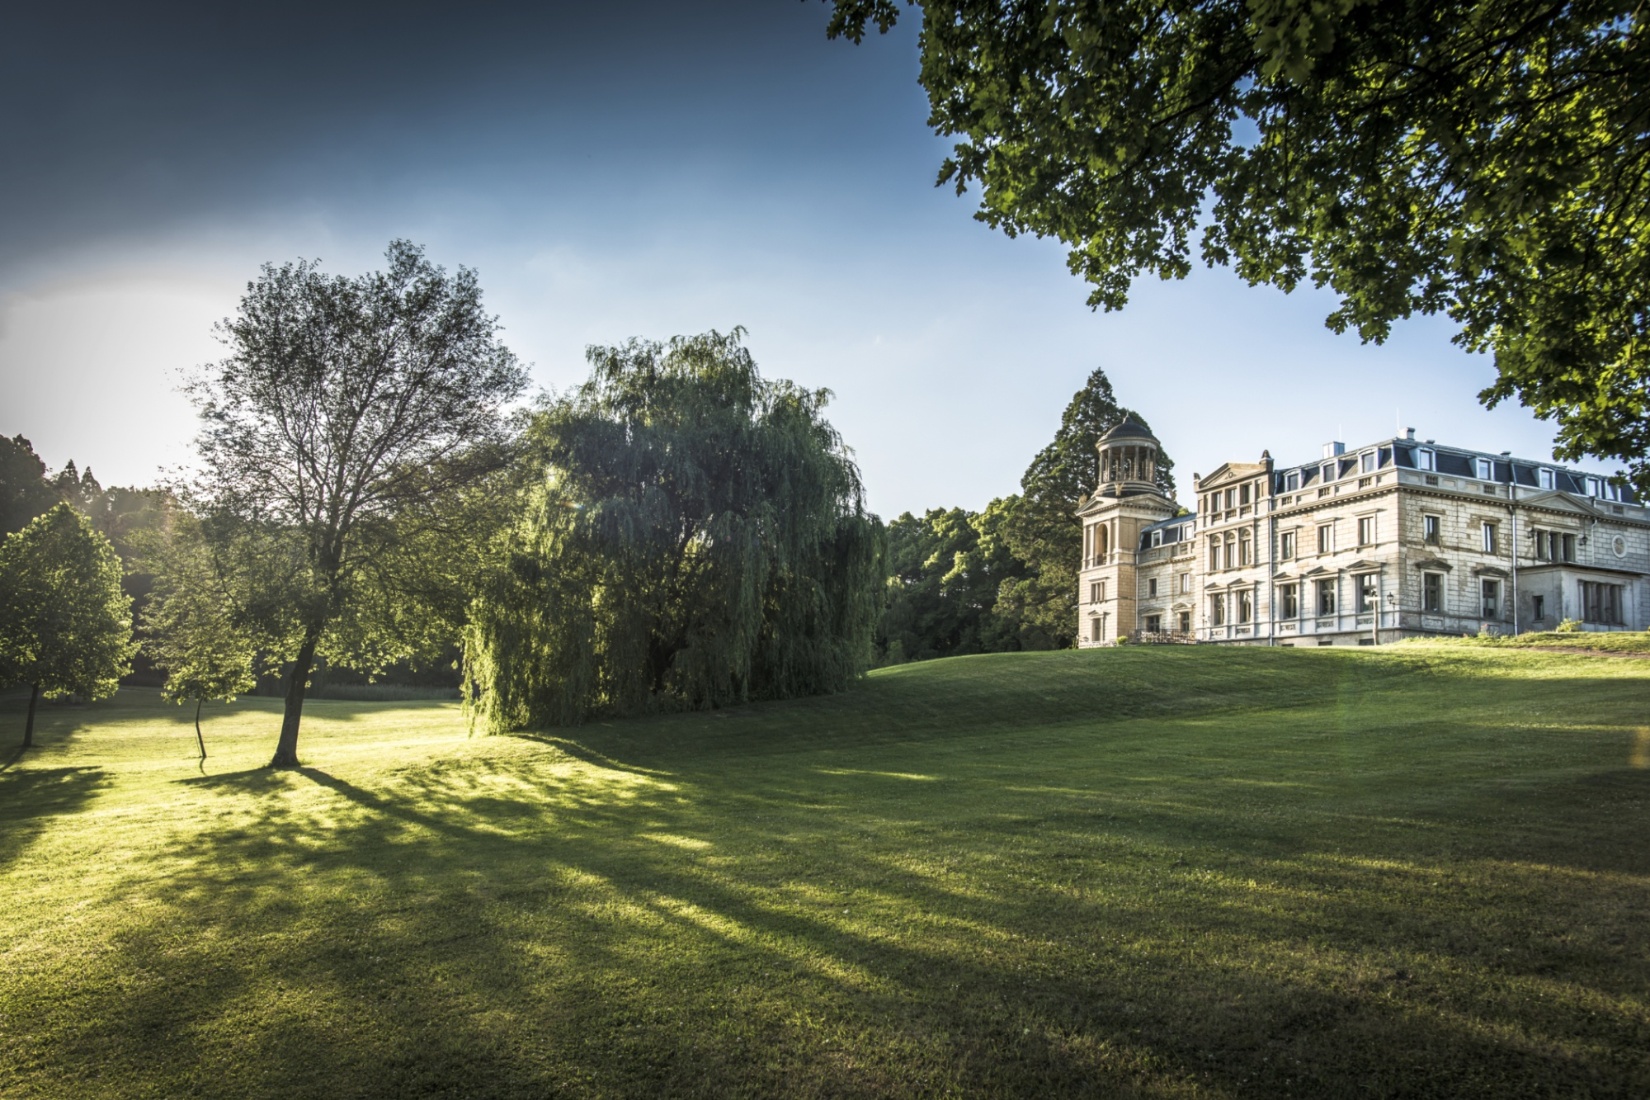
1426,459
1484,469
1546,478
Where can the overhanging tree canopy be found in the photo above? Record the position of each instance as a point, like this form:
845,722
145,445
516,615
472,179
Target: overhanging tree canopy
699,538
1486,159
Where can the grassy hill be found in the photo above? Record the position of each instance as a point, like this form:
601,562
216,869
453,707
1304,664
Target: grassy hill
1416,871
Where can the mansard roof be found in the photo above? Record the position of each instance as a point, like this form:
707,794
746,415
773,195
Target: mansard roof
1403,453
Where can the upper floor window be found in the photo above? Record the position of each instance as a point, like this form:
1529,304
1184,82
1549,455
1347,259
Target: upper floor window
1326,538
1286,545
1555,546
1245,555
1151,589
1426,459
1544,477
1430,526
1490,540
1485,469
1366,530
1243,493
1185,582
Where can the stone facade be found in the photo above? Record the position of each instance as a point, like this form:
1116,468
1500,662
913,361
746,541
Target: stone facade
1397,539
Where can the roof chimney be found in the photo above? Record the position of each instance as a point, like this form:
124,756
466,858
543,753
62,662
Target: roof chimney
1334,450
1409,434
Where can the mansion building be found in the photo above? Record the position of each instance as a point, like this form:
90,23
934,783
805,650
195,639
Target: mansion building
1397,539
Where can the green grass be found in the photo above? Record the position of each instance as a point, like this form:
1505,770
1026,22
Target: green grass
1177,871
1614,641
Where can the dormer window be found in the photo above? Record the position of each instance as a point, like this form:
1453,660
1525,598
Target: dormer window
1366,462
1544,477
1485,469
1157,537
1327,473
1291,481
1426,459
1595,487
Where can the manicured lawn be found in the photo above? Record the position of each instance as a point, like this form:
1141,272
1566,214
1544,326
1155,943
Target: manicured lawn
1413,871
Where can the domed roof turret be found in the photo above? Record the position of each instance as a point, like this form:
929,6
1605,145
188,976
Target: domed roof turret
1128,460
1128,428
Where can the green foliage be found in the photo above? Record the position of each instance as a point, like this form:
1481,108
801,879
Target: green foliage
25,491
65,624
1041,529
1484,159
193,631
1004,579
946,570
1568,626
699,538
340,437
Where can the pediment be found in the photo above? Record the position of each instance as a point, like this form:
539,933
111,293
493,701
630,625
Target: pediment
1320,571
1554,500
1364,566
1434,565
1230,471
1489,571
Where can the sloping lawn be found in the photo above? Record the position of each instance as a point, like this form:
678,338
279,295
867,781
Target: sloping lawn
1414,871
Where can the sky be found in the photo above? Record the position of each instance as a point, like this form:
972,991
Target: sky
617,170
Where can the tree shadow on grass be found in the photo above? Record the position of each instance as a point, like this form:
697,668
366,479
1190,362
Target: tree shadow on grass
31,797
488,928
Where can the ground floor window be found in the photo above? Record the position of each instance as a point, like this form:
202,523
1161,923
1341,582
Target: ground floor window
1326,597
1097,630
1245,606
1289,599
1154,624
1540,604
1185,622
1432,592
1367,598
1490,592
1601,603
1217,610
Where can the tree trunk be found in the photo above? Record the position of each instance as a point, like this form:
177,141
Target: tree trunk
286,750
28,726
198,738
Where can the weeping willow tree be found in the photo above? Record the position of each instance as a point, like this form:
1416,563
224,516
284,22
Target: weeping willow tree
699,538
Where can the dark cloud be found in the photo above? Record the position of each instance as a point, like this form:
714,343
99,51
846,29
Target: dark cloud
119,117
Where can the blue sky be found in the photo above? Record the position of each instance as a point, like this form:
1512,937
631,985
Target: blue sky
618,170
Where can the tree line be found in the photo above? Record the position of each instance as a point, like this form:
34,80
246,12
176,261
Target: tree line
678,532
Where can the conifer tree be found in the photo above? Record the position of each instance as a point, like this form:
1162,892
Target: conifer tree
1041,528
